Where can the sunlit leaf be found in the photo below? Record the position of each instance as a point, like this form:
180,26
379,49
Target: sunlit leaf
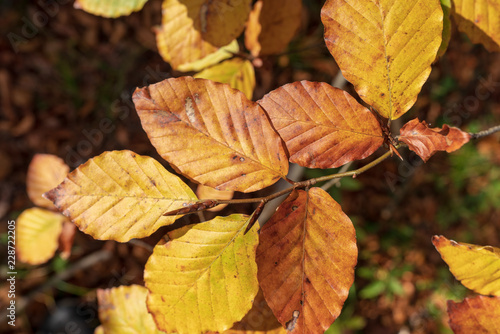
322,126
204,192
213,58
479,314
110,8
236,72
272,25
120,195
480,20
123,310
211,133
446,6
426,141
476,267
259,320
306,258
193,29
384,48
204,278
45,172
37,235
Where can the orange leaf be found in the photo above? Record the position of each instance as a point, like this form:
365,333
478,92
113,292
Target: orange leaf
306,258
426,141
322,126
204,192
211,133
480,314
272,25
45,172
66,239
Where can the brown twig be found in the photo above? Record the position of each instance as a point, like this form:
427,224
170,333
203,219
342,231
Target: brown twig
485,132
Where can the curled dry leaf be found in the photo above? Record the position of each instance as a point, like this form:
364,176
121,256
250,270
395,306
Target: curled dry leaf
45,172
120,195
426,141
306,258
38,232
322,126
384,48
479,314
477,267
110,8
480,20
123,310
236,72
272,25
66,238
212,134
204,192
204,278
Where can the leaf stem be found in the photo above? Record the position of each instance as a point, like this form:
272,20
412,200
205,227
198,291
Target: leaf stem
485,132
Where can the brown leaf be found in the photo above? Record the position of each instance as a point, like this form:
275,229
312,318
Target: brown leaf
479,314
66,238
306,258
322,126
272,25
212,134
426,141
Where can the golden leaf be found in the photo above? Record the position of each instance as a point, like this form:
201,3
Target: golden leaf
479,314
110,8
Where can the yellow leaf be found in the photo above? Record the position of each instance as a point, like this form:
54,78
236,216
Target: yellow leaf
475,315
236,72
212,134
120,195
38,232
110,8
446,6
204,278
385,48
480,20
45,172
193,29
272,25
306,258
204,192
123,310
477,267
214,58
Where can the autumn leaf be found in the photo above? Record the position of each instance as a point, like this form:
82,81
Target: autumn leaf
110,8
120,195
480,20
479,314
306,258
426,141
45,172
204,192
193,29
384,48
322,126
204,278
446,6
476,267
212,59
272,25
123,310
236,72
38,232
211,133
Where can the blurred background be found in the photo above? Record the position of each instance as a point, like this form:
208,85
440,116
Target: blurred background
61,77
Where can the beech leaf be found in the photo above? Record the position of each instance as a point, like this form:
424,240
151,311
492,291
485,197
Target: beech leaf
120,195
479,314
306,258
212,134
426,141
204,192
45,172
272,25
205,277
384,48
446,6
322,126
211,59
480,20
236,72
123,310
38,232
476,267
110,8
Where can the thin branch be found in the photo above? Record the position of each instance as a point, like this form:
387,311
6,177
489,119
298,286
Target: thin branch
485,132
